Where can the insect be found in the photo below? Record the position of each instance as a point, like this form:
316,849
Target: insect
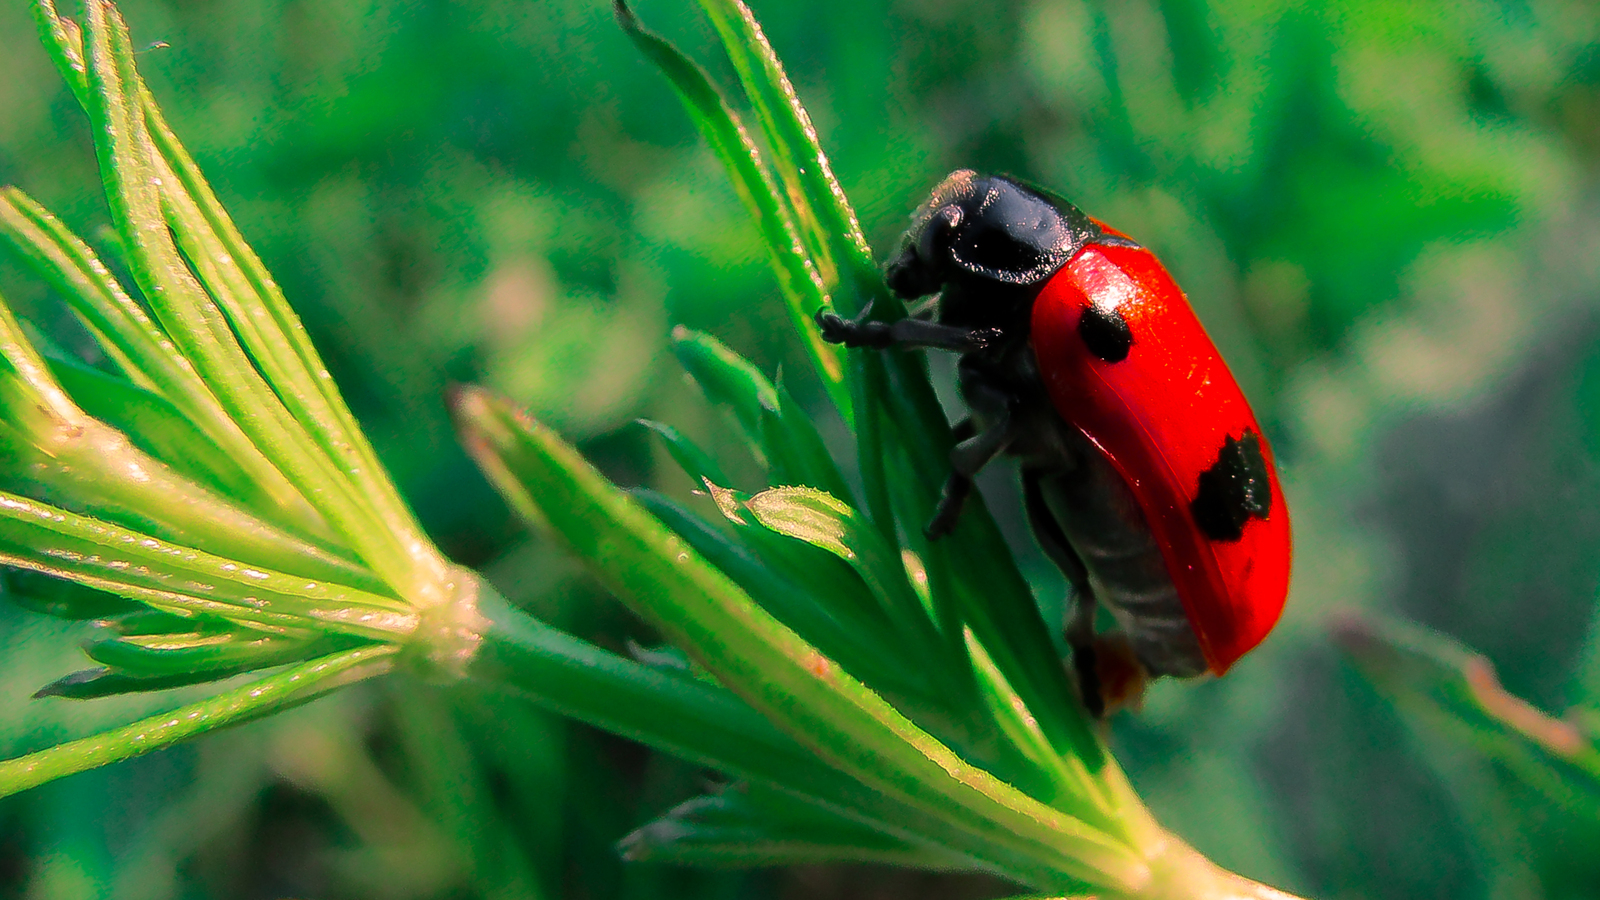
1145,476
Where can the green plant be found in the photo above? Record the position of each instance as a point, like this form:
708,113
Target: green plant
870,696
1527,783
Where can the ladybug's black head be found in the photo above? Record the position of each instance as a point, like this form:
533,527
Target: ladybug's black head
986,228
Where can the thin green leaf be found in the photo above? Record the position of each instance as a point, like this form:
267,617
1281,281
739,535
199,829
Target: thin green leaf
95,684
51,596
99,475
820,203
1010,712
780,433
852,633
699,722
197,652
254,302
869,381
798,279
727,829
830,524
259,698
1443,687
700,610
182,579
268,328
726,378
52,442
829,581
158,428
799,456
119,326
972,572
146,621
93,470
694,462
956,714
140,347
191,318
914,501
823,574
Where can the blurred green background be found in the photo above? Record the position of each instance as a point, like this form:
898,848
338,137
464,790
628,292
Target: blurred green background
1388,215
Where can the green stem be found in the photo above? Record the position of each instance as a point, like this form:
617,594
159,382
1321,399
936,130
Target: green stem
1179,872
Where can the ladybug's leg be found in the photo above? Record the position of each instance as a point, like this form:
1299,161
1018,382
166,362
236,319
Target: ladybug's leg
956,488
1080,622
974,450
862,332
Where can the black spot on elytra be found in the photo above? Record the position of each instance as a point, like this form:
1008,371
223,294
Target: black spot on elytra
1236,489
1106,333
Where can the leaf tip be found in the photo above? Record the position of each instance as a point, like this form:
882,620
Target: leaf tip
645,842
1352,632
457,394
625,16
70,686
472,406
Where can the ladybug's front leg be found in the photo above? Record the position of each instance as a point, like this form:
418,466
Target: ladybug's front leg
864,332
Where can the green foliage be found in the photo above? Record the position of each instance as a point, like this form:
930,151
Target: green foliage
1382,214
324,572
268,695
988,761
1523,776
985,765
796,685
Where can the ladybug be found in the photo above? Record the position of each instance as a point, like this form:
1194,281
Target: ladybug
1145,476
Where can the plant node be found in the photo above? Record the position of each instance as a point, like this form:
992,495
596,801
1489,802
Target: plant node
450,627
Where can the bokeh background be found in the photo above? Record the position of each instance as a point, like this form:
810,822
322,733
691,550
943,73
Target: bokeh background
1388,215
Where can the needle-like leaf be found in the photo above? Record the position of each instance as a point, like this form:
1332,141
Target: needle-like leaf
732,828
819,203
140,347
829,524
798,278
259,698
851,629
169,576
193,320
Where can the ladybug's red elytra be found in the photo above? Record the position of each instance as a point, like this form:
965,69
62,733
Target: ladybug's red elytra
1145,476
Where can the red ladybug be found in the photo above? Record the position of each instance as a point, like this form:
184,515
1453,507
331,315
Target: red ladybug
1145,475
